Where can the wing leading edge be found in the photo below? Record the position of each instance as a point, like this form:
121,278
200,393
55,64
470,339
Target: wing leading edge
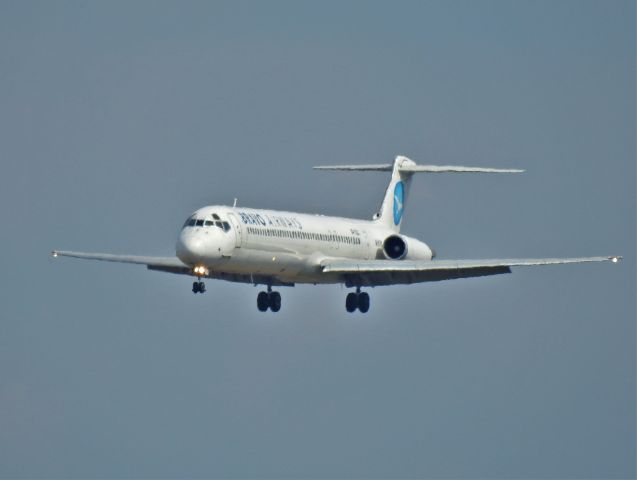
390,272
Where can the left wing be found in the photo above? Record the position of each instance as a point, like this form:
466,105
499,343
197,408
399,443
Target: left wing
390,272
166,264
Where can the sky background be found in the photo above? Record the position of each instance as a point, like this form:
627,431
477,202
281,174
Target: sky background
118,119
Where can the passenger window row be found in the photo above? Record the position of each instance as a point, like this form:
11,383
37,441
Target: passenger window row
324,237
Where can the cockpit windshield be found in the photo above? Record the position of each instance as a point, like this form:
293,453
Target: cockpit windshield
201,222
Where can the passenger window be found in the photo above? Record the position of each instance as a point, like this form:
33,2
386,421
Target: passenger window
199,223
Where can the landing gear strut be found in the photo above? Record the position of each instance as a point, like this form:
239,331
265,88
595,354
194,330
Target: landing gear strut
356,300
198,287
269,299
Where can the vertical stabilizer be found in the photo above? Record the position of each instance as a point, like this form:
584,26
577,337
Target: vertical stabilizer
391,210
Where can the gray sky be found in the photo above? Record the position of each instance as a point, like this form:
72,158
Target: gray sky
117,119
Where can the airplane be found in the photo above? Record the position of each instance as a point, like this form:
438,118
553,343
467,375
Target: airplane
280,248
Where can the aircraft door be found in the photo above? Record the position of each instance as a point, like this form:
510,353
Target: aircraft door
365,240
236,226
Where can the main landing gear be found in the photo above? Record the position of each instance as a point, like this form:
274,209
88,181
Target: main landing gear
269,299
356,300
198,287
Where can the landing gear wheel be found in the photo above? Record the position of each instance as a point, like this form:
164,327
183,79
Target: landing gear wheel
202,287
357,300
263,301
195,287
351,302
275,301
363,302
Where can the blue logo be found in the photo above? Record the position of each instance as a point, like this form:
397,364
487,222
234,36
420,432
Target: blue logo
399,197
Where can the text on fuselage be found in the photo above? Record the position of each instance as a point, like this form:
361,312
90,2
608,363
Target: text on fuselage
265,220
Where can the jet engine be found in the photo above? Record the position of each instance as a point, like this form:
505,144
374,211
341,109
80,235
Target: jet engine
399,247
395,247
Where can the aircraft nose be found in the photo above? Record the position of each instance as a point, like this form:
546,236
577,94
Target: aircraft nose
190,248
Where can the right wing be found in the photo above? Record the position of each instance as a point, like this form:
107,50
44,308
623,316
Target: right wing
166,264
392,272
174,265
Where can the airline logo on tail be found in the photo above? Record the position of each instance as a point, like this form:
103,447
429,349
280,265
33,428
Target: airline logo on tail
399,197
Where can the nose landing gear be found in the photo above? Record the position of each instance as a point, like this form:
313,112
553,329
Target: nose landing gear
198,287
356,300
269,299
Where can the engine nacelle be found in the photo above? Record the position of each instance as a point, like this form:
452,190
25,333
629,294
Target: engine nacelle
395,248
399,247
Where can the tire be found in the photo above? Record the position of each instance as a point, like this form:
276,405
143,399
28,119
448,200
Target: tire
351,302
275,301
363,302
202,287
195,287
263,302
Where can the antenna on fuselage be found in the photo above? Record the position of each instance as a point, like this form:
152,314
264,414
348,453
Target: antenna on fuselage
234,204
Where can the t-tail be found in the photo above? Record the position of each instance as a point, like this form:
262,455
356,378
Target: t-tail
393,205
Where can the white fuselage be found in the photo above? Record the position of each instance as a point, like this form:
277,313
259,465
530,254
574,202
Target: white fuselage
286,245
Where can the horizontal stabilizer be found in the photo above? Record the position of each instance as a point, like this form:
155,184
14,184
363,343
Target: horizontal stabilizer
383,167
457,169
418,168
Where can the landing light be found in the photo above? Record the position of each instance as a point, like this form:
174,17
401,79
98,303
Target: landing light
55,254
614,259
200,270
